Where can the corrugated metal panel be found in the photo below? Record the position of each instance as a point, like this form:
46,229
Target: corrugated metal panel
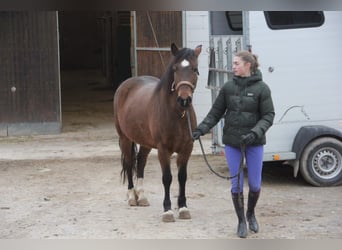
29,67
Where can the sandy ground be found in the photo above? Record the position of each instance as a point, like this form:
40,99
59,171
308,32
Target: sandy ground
68,186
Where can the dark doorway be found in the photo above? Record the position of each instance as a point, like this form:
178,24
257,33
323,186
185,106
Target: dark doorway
94,60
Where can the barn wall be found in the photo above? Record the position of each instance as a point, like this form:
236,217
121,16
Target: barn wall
29,73
163,26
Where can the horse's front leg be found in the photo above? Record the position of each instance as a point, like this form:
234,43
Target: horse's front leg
164,159
182,162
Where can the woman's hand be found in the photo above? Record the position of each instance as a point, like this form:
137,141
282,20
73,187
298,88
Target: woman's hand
196,134
249,138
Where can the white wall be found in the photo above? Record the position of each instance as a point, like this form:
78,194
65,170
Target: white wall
196,32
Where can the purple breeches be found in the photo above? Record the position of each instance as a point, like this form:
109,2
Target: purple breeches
254,160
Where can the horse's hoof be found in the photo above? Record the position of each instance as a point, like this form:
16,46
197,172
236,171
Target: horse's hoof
184,213
143,202
168,216
132,202
131,197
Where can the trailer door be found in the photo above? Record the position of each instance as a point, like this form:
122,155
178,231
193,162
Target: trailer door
226,39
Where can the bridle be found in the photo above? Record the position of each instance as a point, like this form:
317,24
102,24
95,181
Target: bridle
176,86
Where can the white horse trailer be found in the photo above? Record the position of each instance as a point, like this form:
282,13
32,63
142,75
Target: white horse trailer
300,56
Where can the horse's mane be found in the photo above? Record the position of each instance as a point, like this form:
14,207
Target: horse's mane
167,78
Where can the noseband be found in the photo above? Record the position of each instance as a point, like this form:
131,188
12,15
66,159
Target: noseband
176,86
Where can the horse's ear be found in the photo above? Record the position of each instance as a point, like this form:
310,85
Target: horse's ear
174,49
198,50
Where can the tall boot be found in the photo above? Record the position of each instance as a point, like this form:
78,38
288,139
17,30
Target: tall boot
252,200
239,209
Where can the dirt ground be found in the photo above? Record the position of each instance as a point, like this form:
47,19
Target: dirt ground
68,186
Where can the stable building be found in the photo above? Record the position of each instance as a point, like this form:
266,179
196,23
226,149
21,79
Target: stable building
36,46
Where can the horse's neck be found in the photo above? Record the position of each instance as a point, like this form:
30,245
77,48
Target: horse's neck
167,99
165,88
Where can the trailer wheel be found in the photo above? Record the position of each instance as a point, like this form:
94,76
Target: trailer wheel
321,162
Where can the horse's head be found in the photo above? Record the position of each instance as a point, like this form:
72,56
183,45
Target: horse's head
185,70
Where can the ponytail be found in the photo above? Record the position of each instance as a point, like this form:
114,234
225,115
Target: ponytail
248,57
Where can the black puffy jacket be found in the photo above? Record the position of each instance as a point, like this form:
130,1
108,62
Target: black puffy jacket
247,105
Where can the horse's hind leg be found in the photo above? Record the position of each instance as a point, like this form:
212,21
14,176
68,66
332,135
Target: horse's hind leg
128,164
141,163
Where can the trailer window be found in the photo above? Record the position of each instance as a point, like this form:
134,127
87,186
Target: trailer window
226,22
234,19
293,19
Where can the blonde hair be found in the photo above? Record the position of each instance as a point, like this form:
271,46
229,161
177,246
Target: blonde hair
248,57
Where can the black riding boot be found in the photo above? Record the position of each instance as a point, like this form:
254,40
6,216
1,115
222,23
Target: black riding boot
252,200
239,209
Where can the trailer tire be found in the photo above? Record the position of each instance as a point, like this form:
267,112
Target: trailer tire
321,162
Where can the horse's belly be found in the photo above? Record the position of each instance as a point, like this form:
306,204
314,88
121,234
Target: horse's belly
138,132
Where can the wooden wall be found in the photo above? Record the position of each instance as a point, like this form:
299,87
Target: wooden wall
29,73
166,27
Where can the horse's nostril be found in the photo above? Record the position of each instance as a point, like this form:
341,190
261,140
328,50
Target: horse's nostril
184,102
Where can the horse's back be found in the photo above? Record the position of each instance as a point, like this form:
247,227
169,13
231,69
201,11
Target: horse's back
138,81
136,86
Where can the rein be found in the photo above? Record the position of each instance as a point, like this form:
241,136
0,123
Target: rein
242,161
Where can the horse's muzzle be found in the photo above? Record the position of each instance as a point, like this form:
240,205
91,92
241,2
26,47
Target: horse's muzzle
185,103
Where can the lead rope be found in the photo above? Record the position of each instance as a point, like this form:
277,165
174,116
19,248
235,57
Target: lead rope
242,161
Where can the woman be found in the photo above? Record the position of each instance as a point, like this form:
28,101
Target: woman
247,107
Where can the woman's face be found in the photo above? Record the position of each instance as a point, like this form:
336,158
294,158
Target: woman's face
241,68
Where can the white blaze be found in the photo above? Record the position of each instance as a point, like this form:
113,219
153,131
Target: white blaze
185,63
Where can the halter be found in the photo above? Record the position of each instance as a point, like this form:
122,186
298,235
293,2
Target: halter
176,86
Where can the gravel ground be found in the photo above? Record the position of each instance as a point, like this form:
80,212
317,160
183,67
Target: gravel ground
68,186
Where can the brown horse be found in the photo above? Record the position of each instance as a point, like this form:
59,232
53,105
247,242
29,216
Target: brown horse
152,113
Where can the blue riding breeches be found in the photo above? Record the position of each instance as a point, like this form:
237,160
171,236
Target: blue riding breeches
254,160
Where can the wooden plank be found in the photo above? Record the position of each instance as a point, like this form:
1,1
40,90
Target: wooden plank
166,25
154,66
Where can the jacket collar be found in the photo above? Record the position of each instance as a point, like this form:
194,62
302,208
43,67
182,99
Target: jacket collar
256,77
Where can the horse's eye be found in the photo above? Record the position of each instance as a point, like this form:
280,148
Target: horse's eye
196,71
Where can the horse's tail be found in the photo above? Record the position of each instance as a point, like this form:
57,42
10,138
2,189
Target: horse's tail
129,162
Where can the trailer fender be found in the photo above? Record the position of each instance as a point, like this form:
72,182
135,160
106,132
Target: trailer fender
307,134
